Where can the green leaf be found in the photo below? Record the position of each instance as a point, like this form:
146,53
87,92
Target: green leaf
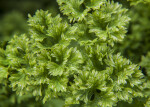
74,9
55,69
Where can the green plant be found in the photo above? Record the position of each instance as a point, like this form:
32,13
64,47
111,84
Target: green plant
136,43
72,59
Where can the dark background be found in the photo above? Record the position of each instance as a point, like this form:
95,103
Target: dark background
25,6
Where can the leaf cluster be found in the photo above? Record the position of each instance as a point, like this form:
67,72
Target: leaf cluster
73,59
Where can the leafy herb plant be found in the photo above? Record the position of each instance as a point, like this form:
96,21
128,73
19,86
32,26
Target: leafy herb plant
72,59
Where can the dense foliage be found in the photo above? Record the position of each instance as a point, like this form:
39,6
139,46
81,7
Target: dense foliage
71,59
136,43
